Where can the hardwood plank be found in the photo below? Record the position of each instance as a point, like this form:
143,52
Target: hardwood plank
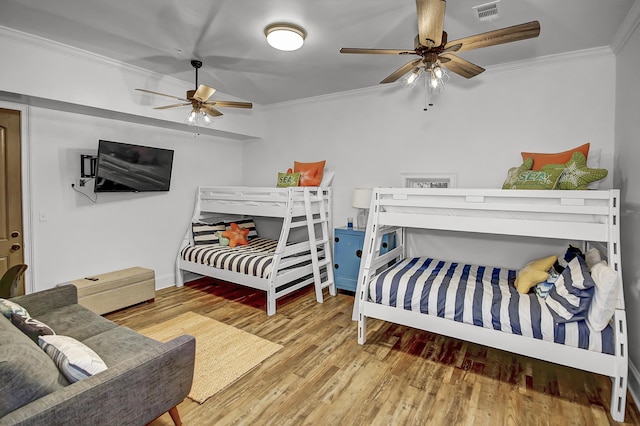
401,376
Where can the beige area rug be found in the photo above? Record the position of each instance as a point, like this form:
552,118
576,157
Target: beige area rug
223,353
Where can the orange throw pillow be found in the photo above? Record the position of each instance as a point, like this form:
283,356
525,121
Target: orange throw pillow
310,173
540,159
237,236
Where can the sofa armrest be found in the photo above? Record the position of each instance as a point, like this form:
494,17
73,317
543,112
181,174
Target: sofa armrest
135,391
47,300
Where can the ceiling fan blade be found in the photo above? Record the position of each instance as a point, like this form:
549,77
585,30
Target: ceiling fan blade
401,71
203,93
452,48
172,106
162,94
211,111
430,21
230,104
378,51
492,38
461,66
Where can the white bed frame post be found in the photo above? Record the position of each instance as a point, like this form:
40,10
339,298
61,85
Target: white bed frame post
619,382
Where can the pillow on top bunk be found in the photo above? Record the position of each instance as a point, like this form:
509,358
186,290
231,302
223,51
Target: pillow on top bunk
605,297
514,172
575,174
533,273
310,173
206,233
570,297
288,179
542,159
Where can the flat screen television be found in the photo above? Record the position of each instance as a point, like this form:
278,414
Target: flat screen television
123,167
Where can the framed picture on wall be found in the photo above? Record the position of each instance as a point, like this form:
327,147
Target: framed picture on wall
429,180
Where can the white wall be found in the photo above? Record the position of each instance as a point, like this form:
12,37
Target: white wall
77,237
477,128
627,178
81,238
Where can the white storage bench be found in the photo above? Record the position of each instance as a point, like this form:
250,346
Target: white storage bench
116,290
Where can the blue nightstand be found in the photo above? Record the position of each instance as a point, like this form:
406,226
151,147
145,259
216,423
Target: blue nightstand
347,251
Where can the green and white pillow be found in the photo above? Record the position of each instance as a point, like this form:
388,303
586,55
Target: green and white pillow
74,359
524,178
575,173
514,172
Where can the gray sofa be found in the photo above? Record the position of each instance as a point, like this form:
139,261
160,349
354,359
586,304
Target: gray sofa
144,379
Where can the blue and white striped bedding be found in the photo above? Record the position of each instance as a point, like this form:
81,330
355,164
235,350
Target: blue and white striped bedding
253,259
482,296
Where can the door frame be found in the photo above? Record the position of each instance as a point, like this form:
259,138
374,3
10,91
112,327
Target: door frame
25,170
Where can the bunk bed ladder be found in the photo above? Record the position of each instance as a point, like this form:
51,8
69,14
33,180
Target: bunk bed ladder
325,240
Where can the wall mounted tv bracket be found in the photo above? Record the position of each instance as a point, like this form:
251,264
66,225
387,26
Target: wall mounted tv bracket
87,168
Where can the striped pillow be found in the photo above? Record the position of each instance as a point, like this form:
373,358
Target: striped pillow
570,297
246,223
206,233
74,359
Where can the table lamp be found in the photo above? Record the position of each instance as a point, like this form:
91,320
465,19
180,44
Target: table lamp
362,201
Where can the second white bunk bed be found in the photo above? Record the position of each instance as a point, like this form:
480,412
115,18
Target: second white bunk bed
277,267
482,310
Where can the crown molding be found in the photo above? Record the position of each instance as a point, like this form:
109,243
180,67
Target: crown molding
627,28
578,55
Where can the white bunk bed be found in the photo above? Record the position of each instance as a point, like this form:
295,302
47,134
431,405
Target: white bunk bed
591,217
293,263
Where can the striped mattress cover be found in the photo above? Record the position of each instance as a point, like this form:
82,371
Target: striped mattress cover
482,296
253,259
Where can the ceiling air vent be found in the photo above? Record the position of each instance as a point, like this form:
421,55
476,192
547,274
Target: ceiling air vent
487,11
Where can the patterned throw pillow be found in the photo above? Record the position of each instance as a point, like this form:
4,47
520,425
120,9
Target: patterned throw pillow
575,173
288,179
530,179
246,223
205,233
7,307
514,172
237,236
570,297
310,173
76,360
31,326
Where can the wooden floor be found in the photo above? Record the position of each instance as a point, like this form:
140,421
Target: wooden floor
402,376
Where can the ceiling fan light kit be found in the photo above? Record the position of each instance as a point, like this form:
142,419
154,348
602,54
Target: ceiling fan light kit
284,36
436,52
202,107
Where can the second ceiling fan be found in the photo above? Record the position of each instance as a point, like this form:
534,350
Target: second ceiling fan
433,48
199,99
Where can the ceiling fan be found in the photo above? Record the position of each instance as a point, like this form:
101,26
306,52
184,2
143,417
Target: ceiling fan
434,49
200,101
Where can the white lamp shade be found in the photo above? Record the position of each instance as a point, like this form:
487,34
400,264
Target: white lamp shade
362,198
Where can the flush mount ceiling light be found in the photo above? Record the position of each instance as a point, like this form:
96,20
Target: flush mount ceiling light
284,36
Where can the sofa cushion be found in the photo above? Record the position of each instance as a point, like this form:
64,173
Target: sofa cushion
27,372
76,321
118,344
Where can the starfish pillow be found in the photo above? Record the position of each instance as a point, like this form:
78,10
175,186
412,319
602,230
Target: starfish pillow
575,173
237,236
